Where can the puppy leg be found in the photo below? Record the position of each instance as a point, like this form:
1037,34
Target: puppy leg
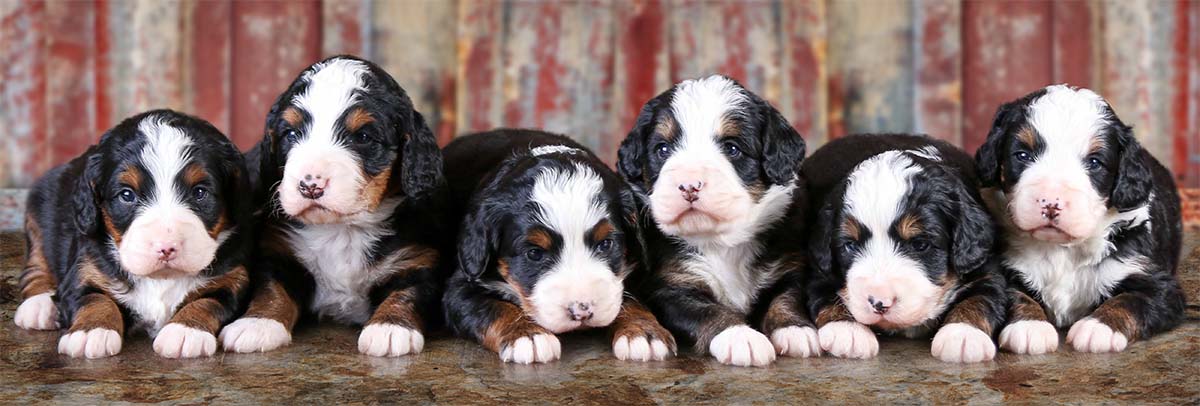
1142,305
193,329
691,311
792,332
1028,330
268,322
500,326
37,310
396,324
966,332
637,335
837,331
96,329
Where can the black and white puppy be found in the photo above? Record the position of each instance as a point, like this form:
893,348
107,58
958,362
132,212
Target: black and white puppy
901,244
548,238
717,166
1091,224
143,231
351,176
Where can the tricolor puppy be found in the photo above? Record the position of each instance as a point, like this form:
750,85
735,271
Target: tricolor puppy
351,176
547,240
1091,224
144,231
901,244
717,167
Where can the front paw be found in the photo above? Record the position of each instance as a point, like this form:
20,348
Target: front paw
37,313
389,340
180,341
253,334
538,347
94,343
1090,335
848,339
1029,337
640,348
796,341
961,342
742,346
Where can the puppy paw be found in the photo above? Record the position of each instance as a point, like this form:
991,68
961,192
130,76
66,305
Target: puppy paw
742,346
796,341
389,340
37,313
1090,335
94,343
848,339
1029,337
253,334
179,341
640,348
541,347
961,342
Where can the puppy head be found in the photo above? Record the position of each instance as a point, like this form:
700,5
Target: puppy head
901,232
1064,160
559,234
343,138
707,152
165,191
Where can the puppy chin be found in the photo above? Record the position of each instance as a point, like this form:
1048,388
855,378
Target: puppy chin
326,210
676,217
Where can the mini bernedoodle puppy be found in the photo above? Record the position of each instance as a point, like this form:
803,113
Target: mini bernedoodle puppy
144,231
548,238
1091,224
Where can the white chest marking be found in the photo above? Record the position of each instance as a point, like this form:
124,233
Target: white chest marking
155,301
1069,279
729,272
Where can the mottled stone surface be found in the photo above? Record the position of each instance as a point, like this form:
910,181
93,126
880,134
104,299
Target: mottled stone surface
323,366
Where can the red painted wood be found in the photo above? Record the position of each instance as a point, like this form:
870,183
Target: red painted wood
103,81
939,70
1072,30
805,58
342,27
23,92
1181,109
480,66
641,50
273,42
70,83
210,79
1007,52
1193,111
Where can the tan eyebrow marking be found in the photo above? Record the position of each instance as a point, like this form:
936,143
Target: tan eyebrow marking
194,174
665,127
1096,144
728,127
292,116
1028,136
539,238
131,177
358,118
851,229
602,230
908,227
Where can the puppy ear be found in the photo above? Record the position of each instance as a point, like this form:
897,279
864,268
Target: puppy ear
86,201
265,159
973,235
783,148
478,241
1134,180
631,157
631,217
987,160
821,241
420,160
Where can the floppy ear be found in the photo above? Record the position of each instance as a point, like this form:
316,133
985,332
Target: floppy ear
987,160
821,241
85,199
631,217
420,160
1134,180
783,148
973,235
478,241
631,157
264,158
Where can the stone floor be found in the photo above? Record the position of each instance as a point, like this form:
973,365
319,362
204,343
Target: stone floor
322,366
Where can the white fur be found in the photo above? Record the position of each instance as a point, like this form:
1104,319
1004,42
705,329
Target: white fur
1029,337
961,342
253,334
94,343
1090,335
155,301
540,348
336,255
874,196
569,203
796,341
848,339
180,341
37,313
389,340
742,346
553,149
640,349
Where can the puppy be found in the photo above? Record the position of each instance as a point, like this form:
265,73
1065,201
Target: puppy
901,244
351,177
1091,224
143,231
716,166
548,237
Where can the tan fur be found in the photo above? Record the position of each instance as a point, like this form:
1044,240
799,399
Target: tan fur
36,278
1028,136
194,174
109,227
908,227
540,238
665,128
1115,314
635,320
834,312
509,325
784,311
358,118
973,312
1025,308
98,310
131,177
376,188
398,309
602,230
271,301
292,116
851,228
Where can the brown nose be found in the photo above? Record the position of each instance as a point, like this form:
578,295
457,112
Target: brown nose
312,189
166,254
580,311
691,191
1051,209
879,306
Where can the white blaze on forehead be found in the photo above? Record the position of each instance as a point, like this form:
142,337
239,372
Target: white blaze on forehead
332,88
699,105
877,188
1067,119
568,202
166,153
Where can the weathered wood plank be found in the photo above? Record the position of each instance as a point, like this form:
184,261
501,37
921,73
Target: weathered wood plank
870,67
938,60
415,42
480,68
70,86
1072,26
805,92
274,41
346,25
22,91
1007,53
640,60
1193,89
208,28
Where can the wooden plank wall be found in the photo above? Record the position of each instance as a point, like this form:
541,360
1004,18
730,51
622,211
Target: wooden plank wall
584,67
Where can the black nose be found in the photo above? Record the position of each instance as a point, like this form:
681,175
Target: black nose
691,191
310,190
580,311
1050,210
877,305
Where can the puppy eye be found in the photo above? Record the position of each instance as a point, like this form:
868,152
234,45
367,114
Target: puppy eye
604,245
920,246
731,150
662,150
291,135
849,247
362,137
127,196
535,254
199,194
1094,164
1023,156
